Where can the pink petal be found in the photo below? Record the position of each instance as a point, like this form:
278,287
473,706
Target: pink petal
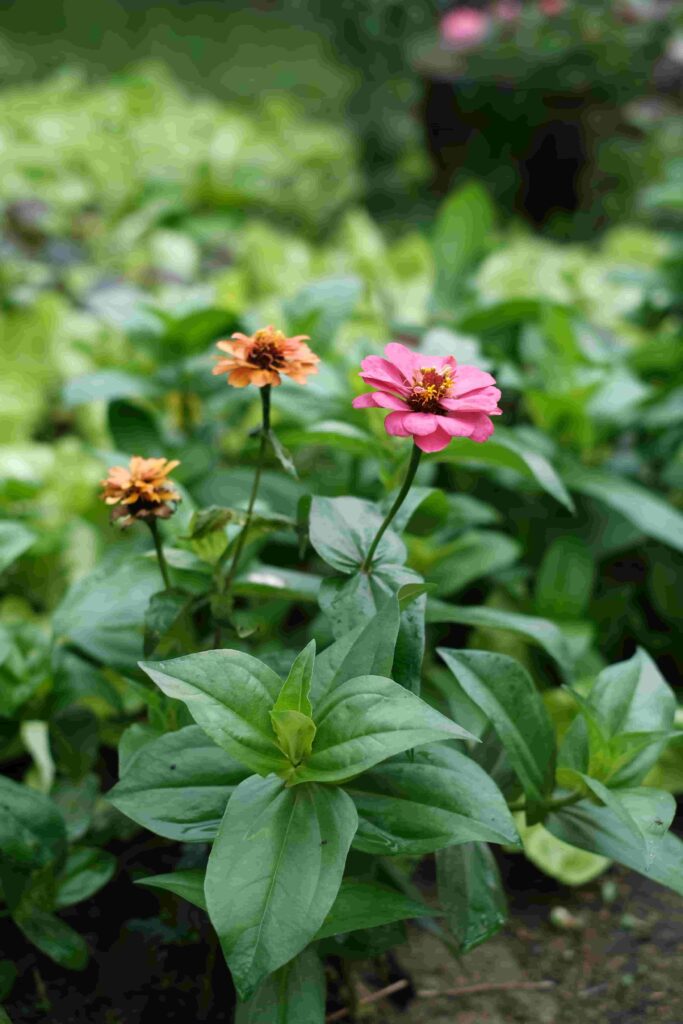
475,425
421,423
403,358
393,424
381,373
380,400
481,400
469,378
433,442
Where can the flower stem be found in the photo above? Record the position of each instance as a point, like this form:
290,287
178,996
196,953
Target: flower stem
226,582
161,558
400,498
552,805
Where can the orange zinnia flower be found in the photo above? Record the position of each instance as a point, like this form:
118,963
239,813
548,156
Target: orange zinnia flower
262,357
143,491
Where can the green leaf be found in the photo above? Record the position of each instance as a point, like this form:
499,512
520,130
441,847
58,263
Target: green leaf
651,514
106,385
52,936
189,884
293,995
506,451
366,720
103,613
565,579
540,631
343,437
507,695
367,650
473,555
86,870
437,798
647,812
362,905
15,539
32,831
168,624
8,975
282,455
295,734
599,830
632,696
294,695
178,786
463,224
350,601
229,694
274,872
471,893
342,530
134,430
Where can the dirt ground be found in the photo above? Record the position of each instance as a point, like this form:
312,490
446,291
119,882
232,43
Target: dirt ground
614,962
618,959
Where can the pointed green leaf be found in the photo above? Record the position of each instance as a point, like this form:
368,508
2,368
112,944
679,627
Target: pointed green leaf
438,798
32,831
295,734
293,995
274,872
87,869
189,884
342,530
506,694
367,905
294,695
366,720
230,695
471,893
647,812
599,830
178,785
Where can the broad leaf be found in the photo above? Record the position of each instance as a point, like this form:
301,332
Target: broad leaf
506,694
188,883
506,451
86,870
293,995
53,937
15,538
653,515
632,696
291,714
463,223
179,785
32,831
367,905
274,872
540,631
471,893
366,720
342,530
230,695
647,812
565,579
599,830
438,798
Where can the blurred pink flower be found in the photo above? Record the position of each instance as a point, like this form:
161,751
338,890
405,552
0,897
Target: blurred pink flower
431,398
551,8
465,26
507,10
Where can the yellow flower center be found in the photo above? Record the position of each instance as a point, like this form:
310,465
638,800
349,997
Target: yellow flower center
429,387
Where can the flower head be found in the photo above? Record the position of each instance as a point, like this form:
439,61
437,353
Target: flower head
464,27
143,491
262,357
431,398
551,8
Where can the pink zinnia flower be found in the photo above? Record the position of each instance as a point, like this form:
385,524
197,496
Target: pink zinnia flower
432,399
507,10
465,26
551,8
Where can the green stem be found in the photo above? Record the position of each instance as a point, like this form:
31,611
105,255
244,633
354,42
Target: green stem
400,498
224,584
161,558
552,805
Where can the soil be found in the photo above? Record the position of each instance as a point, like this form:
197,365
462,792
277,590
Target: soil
617,959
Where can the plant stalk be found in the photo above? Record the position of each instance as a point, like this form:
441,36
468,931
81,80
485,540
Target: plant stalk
400,498
224,584
161,558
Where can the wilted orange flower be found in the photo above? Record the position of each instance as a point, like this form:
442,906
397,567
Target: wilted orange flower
143,491
260,358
